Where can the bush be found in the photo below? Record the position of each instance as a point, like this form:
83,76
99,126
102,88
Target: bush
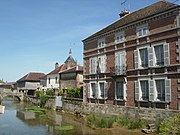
170,126
73,92
50,92
131,123
100,121
43,100
38,93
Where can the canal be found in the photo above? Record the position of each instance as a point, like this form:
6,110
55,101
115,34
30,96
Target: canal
12,124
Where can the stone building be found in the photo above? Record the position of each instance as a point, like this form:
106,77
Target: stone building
52,78
29,83
135,61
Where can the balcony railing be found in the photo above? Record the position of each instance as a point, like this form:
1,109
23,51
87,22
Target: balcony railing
118,70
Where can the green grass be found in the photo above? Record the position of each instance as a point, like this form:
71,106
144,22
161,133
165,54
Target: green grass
97,121
36,109
64,128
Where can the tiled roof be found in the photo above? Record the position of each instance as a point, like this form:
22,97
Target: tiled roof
73,69
148,11
32,77
58,69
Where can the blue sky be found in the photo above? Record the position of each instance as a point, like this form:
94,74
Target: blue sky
35,34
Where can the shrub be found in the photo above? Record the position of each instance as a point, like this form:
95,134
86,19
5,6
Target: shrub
73,92
60,93
100,121
38,93
43,100
170,126
50,92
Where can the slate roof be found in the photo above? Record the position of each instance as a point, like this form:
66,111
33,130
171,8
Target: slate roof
71,59
73,69
32,76
142,13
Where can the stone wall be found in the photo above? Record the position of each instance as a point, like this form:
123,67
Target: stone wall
75,106
148,114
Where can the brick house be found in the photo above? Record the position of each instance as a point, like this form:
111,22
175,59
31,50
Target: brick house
135,61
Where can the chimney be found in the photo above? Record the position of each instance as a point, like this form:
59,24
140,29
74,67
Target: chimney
56,65
124,13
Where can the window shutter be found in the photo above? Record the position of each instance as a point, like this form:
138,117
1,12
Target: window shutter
106,90
150,59
136,90
168,90
136,58
97,91
122,66
166,55
89,85
124,90
151,90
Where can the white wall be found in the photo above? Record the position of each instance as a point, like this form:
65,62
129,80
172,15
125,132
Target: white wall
53,83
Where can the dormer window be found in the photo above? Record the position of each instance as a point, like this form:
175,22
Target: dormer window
142,31
101,43
119,37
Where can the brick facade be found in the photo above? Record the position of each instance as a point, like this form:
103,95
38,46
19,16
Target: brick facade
162,29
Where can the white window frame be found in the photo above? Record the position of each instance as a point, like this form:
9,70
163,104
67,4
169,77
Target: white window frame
124,90
120,63
91,91
102,63
118,35
139,57
101,43
140,90
99,89
154,54
141,29
92,65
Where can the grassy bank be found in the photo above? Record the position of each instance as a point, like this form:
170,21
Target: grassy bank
99,121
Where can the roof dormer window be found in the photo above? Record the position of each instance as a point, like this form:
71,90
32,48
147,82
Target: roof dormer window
142,30
101,43
119,37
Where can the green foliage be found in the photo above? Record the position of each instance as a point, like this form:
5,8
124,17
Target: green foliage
39,93
64,128
131,123
107,122
35,109
61,92
73,92
50,92
170,126
100,121
43,100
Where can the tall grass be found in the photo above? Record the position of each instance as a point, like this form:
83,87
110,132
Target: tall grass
98,121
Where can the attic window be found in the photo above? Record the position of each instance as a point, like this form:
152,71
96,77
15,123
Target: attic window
142,31
101,43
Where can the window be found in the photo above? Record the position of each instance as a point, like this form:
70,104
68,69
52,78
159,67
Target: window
142,31
101,64
120,67
102,89
144,89
56,80
120,90
93,90
119,37
144,57
159,54
49,80
93,65
101,43
160,87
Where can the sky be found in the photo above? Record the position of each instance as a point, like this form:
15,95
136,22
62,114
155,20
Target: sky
35,34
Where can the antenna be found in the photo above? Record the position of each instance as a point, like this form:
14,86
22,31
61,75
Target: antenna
124,2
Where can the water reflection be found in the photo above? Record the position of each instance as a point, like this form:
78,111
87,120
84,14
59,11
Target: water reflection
16,122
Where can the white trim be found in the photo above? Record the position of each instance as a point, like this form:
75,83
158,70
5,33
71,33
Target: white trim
100,41
141,27
99,90
118,34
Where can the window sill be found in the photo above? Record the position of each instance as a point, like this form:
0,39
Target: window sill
122,100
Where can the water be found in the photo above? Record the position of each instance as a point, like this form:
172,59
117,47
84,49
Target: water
12,124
